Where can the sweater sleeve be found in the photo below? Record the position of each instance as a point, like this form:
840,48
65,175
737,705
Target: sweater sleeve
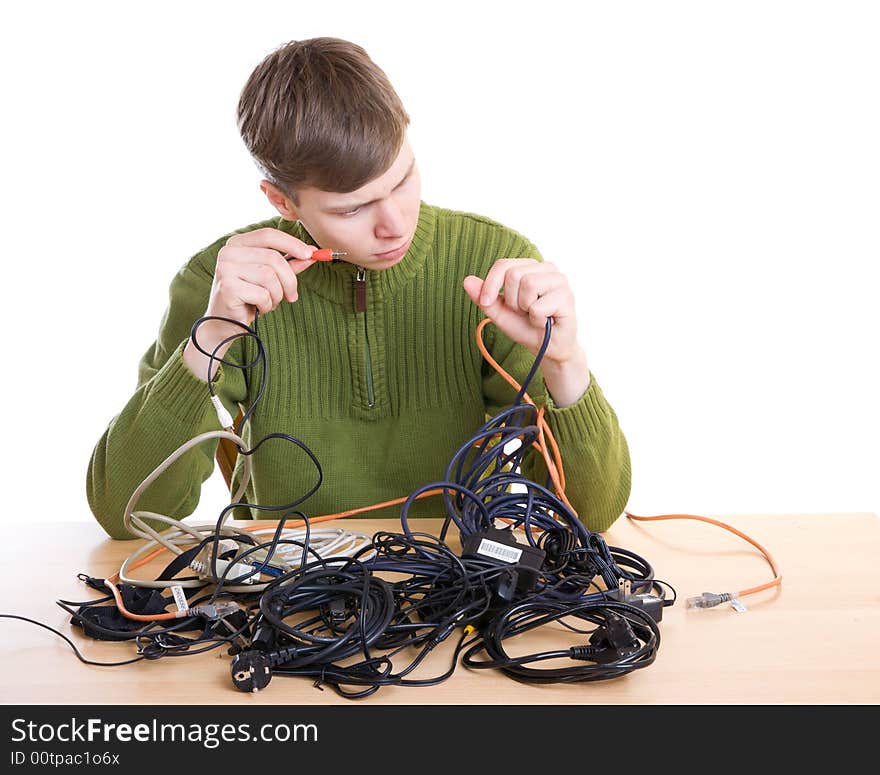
594,452
170,406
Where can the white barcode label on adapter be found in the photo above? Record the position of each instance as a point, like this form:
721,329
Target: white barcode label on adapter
499,551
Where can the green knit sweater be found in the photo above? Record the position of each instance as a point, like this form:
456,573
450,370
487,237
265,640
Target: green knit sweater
383,397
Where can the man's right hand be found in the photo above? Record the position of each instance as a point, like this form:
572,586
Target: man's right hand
251,275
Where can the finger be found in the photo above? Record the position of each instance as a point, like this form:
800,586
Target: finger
514,323
472,286
284,243
531,274
494,281
244,254
300,264
553,305
254,296
536,284
286,270
510,290
265,277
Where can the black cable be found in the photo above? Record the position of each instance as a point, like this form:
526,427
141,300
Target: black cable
624,640
260,357
539,356
70,643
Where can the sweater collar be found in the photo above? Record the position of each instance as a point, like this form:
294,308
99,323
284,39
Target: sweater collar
335,280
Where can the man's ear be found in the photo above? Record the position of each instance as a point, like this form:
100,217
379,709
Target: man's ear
279,200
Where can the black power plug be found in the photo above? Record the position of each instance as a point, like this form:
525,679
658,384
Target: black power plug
612,641
616,638
650,604
251,671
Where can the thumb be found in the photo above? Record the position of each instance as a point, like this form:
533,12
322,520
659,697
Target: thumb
472,286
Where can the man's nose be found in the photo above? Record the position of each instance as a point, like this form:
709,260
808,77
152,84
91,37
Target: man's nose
389,221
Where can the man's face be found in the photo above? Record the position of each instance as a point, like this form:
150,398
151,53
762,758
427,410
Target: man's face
373,224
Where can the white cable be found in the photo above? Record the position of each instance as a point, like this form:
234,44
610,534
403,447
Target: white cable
327,542
134,521
172,539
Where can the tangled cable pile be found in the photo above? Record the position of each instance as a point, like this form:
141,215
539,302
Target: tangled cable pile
369,616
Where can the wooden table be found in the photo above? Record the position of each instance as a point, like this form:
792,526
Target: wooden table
814,640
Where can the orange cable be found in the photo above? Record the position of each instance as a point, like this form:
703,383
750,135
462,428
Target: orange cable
777,577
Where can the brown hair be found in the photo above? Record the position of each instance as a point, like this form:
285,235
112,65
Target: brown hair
320,113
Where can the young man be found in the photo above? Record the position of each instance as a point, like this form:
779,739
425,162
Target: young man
373,362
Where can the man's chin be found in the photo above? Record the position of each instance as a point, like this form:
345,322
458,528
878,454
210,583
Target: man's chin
386,264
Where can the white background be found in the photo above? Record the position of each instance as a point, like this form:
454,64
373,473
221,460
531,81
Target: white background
706,174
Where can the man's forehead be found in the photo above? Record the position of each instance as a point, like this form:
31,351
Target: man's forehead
376,188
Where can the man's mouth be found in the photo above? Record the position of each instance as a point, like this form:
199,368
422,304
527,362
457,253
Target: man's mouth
395,253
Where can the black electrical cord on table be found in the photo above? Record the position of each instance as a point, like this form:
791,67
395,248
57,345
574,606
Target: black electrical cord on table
438,585
328,612
625,639
374,673
70,643
325,614
157,639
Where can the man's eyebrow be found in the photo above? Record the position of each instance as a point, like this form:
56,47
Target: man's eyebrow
347,208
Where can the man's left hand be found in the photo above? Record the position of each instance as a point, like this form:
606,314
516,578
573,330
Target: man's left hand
519,294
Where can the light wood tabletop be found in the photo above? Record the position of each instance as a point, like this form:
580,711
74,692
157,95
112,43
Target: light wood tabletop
813,640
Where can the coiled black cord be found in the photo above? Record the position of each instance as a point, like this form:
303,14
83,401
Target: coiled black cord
625,639
331,610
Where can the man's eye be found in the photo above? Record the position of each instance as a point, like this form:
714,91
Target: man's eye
352,212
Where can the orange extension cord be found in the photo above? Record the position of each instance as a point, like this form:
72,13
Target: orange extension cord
777,578
554,468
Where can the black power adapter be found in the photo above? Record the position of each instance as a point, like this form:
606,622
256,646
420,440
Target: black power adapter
522,562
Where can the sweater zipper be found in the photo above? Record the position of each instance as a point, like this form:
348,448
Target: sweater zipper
361,306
